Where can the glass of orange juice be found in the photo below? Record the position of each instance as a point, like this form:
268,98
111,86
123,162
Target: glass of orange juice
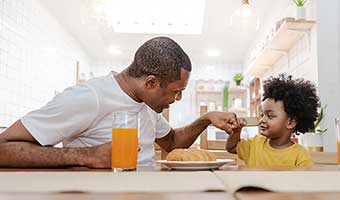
337,123
124,141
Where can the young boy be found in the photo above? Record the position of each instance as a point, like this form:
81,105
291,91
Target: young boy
288,106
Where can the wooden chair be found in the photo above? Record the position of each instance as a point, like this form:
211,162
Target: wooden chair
328,158
204,142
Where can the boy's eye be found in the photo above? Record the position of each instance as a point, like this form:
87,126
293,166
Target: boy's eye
271,116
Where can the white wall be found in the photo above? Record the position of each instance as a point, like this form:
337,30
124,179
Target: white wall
301,60
328,58
37,58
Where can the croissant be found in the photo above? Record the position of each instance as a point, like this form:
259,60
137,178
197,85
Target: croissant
190,155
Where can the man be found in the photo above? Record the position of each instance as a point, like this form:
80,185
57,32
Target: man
80,117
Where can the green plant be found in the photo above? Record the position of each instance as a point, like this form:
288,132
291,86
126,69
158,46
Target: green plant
317,122
300,3
238,77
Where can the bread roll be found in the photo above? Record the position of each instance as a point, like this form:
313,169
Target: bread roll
190,155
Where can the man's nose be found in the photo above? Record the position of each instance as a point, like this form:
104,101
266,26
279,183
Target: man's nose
178,96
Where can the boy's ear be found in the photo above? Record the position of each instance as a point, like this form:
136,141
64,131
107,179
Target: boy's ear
291,124
151,82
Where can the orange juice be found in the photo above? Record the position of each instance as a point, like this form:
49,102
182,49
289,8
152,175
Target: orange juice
124,148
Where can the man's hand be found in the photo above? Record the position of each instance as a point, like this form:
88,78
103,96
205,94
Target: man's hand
100,156
223,120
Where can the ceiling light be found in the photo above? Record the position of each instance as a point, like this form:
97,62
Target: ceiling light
114,50
152,16
213,53
245,18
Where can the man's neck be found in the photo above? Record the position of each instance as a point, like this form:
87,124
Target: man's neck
128,85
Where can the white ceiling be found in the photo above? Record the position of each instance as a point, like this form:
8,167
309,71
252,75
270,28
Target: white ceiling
95,37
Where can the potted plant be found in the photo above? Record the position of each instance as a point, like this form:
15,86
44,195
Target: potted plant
238,77
312,139
300,8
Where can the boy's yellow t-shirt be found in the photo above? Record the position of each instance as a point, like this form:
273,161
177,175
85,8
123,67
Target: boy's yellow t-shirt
257,152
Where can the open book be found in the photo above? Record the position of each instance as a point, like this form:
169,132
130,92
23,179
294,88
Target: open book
169,181
281,181
109,182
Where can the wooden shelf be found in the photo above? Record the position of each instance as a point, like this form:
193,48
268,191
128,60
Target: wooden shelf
254,97
208,92
238,110
237,89
284,39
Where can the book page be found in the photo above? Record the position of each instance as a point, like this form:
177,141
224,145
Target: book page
172,181
281,181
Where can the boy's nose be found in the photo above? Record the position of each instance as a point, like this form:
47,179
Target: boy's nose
262,120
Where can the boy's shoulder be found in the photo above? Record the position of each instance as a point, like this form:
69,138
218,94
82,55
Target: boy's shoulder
259,138
301,149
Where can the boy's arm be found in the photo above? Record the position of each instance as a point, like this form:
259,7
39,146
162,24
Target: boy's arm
185,136
232,142
234,136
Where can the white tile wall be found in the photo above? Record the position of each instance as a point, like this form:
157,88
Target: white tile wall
37,58
301,59
300,62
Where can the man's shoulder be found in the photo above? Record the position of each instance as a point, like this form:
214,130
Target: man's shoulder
105,86
101,81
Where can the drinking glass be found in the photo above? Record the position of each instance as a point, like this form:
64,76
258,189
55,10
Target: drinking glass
124,141
337,124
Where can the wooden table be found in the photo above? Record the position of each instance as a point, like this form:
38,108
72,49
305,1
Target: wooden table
175,196
286,196
247,194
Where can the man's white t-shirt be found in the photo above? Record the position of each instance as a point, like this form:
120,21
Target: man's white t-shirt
81,116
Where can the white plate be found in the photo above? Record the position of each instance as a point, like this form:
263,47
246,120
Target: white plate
195,165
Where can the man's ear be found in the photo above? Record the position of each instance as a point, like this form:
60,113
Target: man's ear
151,82
291,123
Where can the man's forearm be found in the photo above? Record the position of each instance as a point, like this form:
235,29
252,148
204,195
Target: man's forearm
26,154
184,137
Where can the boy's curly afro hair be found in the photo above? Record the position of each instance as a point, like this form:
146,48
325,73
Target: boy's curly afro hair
299,98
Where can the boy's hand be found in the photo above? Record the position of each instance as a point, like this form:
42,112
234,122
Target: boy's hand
234,135
241,123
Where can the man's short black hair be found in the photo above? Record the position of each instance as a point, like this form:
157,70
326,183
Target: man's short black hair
299,98
161,57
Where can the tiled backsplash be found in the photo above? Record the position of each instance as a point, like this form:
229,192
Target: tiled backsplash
300,60
37,58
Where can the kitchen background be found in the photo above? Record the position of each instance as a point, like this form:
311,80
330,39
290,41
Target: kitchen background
41,43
